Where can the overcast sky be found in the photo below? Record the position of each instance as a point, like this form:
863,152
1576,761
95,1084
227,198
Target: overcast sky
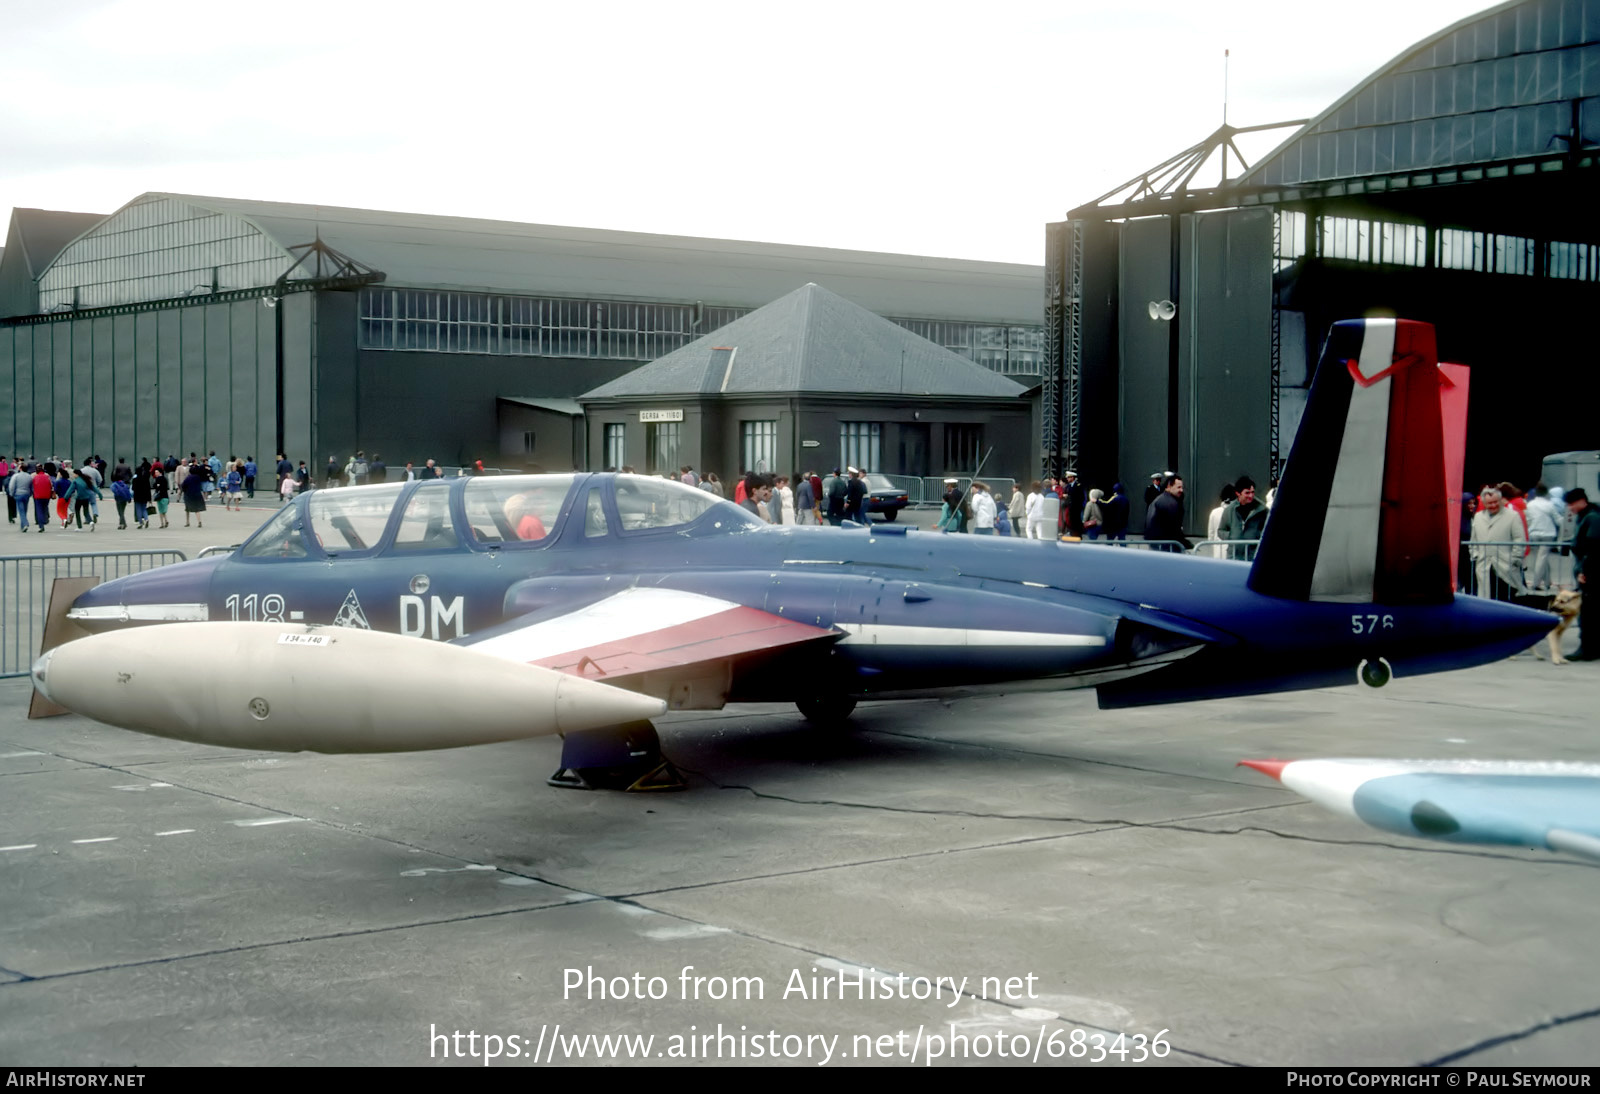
925,128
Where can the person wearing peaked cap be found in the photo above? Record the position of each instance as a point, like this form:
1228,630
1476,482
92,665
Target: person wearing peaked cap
950,515
855,498
1074,500
1153,491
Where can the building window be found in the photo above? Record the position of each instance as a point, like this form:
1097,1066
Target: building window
1577,261
758,446
861,445
961,446
616,453
661,443
527,440
460,322
1001,349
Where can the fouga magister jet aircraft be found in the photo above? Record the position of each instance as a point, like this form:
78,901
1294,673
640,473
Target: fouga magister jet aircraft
435,614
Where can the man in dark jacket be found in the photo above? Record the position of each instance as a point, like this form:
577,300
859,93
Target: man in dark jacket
1243,519
1074,497
1115,508
1586,564
1164,519
833,492
855,498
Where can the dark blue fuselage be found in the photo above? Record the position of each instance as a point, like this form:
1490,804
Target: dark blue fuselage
917,611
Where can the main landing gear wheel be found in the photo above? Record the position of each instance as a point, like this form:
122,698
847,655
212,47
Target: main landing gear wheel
626,757
833,710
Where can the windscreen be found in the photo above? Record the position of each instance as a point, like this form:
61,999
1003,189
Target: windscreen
645,503
352,520
514,509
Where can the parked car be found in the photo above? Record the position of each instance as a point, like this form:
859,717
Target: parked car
885,497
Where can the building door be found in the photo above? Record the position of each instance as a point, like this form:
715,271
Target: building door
913,449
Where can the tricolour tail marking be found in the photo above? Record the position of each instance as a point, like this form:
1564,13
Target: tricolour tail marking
1361,515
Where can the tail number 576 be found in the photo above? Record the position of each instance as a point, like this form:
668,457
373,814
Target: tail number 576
1370,624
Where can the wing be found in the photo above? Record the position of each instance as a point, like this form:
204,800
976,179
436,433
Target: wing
686,648
1518,803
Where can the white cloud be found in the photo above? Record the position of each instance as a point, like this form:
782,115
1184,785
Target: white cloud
926,128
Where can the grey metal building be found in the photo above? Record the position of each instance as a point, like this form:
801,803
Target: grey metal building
185,323
1457,185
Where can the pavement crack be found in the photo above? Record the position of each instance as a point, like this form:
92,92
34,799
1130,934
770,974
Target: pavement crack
1106,824
879,807
1507,1038
1078,760
276,942
1421,850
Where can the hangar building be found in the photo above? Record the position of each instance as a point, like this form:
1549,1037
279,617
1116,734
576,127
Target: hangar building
184,323
1456,184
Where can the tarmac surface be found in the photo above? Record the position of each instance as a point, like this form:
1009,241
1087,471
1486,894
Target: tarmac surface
168,903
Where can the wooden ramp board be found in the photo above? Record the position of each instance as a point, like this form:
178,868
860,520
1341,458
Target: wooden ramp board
58,629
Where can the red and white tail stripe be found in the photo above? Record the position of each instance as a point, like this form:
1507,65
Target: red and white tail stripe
1362,514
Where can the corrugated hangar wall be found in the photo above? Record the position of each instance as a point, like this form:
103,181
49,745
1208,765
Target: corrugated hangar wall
170,380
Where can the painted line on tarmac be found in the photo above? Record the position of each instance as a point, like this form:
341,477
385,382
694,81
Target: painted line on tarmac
267,821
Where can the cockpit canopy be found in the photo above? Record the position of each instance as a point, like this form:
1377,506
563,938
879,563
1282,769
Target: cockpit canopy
486,513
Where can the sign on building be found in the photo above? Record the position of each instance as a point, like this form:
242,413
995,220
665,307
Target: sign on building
661,415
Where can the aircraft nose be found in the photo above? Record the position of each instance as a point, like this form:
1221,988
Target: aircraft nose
41,675
171,594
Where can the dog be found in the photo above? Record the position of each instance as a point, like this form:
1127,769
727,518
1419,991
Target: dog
1566,604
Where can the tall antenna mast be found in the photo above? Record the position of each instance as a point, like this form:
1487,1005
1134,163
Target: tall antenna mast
1225,54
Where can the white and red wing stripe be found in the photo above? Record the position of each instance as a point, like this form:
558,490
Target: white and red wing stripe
643,630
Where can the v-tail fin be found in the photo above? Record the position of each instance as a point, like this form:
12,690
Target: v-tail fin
1362,513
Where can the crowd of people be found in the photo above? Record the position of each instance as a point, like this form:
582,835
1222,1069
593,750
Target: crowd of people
1513,540
149,488
796,498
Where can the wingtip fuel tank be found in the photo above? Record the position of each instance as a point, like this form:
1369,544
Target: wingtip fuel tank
289,687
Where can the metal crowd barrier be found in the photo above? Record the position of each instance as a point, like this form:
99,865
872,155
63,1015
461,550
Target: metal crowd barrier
912,485
25,582
930,488
1539,569
1137,544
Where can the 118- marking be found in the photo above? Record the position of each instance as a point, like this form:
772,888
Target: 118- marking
271,607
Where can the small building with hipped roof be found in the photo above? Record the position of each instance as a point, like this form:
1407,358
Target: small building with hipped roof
810,382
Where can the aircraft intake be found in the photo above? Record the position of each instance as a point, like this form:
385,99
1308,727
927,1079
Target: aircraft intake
287,687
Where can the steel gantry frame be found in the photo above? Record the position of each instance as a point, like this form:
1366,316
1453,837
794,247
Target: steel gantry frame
1055,335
